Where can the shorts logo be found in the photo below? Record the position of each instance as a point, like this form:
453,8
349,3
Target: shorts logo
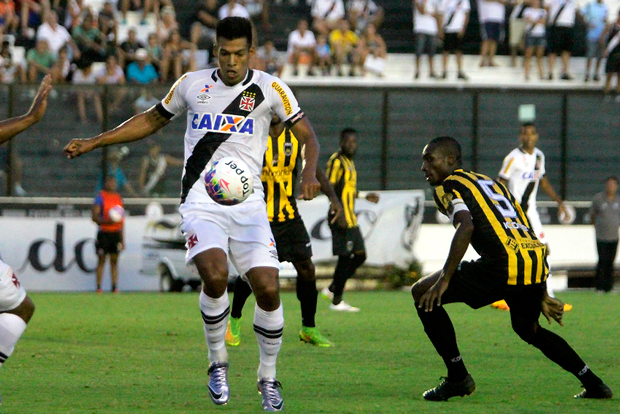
247,101
222,123
15,281
192,240
349,246
288,148
288,109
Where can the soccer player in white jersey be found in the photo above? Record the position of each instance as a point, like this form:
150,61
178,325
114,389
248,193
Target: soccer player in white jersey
16,308
523,171
229,111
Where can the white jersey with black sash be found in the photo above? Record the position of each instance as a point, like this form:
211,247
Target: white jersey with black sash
226,121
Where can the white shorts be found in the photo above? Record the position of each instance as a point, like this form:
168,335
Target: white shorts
242,231
532,215
12,294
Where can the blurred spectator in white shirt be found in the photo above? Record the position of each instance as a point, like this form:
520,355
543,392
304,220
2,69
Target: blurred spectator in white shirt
363,12
269,59
326,14
84,75
493,14
427,22
167,24
56,35
10,72
561,32
595,15
301,42
233,9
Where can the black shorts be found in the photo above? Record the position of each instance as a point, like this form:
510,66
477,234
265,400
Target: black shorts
107,242
292,240
493,31
479,283
346,241
613,63
559,39
452,42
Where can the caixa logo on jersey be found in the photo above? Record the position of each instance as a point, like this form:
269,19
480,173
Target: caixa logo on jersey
223,123
530,175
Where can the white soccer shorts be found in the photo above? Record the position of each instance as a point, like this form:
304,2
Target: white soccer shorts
242,231
532,215
12,293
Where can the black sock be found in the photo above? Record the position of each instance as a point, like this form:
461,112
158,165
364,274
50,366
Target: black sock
559,351
307,295
440,331
113,286
341,274
242,292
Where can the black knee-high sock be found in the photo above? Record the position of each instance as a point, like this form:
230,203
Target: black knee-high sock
440,331
307,295
242,291
341,274
559,351
356,261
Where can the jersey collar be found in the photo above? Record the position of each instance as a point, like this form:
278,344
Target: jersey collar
246,80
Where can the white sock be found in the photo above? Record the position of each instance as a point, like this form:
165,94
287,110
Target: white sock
11,328
268,327
549,288
215,316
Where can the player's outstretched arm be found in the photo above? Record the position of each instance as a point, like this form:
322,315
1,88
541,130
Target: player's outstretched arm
13,126
305,135
548,189
135,128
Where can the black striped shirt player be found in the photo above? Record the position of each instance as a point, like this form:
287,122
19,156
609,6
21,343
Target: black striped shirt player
281,166
512,266
347,240
229,110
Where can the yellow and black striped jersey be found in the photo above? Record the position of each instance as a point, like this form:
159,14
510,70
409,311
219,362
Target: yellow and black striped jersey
502,232
343,177
281,165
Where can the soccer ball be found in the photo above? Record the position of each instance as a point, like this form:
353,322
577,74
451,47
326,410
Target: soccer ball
229,181
116,213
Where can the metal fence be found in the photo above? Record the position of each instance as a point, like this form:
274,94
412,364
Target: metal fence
579,133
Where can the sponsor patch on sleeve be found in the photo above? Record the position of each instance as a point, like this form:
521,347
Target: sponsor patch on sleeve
288,109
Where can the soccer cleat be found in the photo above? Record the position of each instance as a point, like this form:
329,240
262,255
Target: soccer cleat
233,332
218,383
343,307
448,389
567,307
269,389
501,305
327,294
601,392
314,337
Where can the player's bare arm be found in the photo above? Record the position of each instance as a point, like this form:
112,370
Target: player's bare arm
13,126
548,189
335,208
460,242
309,186
135,128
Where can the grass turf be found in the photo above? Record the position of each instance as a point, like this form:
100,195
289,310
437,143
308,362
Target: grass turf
87,353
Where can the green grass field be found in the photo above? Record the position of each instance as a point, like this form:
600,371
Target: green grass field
87,353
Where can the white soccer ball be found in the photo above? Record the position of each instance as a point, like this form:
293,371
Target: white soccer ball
116,214
229,181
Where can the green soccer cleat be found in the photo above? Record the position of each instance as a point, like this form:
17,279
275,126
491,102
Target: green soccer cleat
233,331
313,337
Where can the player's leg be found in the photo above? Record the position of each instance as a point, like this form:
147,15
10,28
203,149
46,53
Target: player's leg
114,271
307,295
525,308
242,292
101,254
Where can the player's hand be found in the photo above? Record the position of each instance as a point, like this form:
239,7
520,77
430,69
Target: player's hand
310,186
121,246
78,147
372,197
553,308
434,294
563,210
336,211
39,103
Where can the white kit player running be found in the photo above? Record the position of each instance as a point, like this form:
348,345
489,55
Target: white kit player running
229,111
523,171
16,308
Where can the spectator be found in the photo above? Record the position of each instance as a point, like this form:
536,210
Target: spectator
233,9
112,74
40,61
323,54
561,27
343,43
61,70
32,15
90,40
167,24
454,21
373,51
364,12
427,22
107,22
84,75
56,35
612,51
136,5
326,14
153,169
605,215
178,55
145,101
141,71
115,156
301,42
258,9
535,30
9,22
155,51
595,16
205,20
270,60
10,71
493,16
127,54
73,11
516,27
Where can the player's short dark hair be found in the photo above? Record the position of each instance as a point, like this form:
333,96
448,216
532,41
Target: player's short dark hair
528,124
612,177
232,28
346,132
448,146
